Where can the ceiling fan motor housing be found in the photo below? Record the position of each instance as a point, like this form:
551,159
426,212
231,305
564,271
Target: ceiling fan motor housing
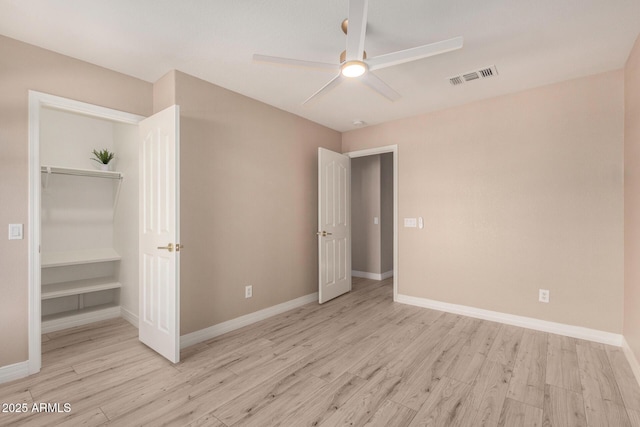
343,56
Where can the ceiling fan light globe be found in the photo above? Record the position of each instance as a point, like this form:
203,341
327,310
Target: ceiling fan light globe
353,68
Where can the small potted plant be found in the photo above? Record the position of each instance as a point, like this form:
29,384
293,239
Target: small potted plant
103,157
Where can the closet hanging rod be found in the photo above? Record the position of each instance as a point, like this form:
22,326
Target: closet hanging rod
80,172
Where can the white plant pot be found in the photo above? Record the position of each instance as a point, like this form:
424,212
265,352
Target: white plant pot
105,167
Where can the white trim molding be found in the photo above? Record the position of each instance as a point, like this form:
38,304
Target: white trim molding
372,276
14,372
633,361
521,321
239,322
36,101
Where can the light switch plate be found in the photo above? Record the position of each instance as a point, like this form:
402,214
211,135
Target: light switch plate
15,231
376,221
410,222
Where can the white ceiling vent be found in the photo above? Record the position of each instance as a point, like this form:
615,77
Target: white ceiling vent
482,73
470,76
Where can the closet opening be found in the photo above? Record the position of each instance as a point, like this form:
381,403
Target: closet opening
83,219
89,220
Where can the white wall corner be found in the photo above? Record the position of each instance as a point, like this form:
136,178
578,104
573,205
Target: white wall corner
14,372
239,322
633,360
521,321
129,316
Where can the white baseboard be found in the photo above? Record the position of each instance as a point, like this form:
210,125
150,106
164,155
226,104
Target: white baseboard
80,319
372,276
511,319
129,316
14,372
239,322
633,361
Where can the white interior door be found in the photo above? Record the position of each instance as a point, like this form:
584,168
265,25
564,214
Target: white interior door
334,224
159,325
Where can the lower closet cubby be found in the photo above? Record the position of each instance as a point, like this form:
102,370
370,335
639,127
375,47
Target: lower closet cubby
79,287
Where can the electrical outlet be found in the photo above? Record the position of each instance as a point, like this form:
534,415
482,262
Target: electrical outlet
543,295
248,291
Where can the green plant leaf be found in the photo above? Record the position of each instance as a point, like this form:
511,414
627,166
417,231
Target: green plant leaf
103,156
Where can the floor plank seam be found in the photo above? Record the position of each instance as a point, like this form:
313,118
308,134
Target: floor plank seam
103,413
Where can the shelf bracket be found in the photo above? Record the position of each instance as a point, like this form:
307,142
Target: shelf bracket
117,196
46,177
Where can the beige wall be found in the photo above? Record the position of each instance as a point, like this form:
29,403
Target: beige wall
518,193
365,205
164,92
248,203
24,67
632,201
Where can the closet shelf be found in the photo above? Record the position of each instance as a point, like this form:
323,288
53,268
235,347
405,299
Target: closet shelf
57,290
87,256
93,173
69,319
80,172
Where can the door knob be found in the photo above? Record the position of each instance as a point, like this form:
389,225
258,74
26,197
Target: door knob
323,233
169,247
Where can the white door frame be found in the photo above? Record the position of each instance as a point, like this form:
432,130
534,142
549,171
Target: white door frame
37,100
382,150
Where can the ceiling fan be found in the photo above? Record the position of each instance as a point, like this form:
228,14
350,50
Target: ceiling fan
354,62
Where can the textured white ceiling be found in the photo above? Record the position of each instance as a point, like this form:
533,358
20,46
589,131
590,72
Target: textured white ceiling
531,43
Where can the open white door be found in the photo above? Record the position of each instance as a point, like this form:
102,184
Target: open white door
159,325
334,224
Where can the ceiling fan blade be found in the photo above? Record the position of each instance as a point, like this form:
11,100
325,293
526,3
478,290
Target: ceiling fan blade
379,86
413,54
326,88
357,27
295,62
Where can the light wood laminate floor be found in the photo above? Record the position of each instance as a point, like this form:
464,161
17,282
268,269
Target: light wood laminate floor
358,360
